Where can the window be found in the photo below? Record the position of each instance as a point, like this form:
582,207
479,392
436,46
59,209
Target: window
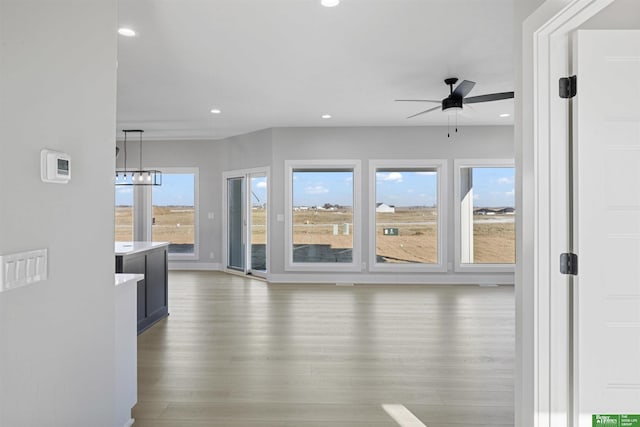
407,219
485,214
322,217
124,214
174,216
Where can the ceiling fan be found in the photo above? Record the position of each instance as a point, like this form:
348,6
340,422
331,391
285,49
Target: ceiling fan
457,97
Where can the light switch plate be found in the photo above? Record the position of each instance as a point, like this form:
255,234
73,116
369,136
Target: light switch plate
22,268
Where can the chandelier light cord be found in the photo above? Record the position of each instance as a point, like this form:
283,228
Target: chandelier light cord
125,154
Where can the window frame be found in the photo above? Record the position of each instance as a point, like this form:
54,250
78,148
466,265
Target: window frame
460,164
246,174
440,166
195,256
289,167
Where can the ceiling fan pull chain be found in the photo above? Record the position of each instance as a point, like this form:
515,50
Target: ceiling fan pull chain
448,127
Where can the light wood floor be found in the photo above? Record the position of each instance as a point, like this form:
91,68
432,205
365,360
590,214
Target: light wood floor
240,352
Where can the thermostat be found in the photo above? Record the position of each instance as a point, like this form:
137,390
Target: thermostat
55,167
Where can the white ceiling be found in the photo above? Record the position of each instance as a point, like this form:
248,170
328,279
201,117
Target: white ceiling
272,63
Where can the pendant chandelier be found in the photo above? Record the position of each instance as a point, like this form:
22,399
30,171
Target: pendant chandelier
139,176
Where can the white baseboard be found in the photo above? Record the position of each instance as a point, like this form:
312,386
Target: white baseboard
482,279
186,265
389,279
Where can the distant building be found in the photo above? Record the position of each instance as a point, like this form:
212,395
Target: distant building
506,211
384,208
494,211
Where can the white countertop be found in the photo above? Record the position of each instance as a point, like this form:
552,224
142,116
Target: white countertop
128,248
122,278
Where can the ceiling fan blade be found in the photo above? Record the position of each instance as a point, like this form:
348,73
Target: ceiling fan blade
464,88
488,97
426,111
417,100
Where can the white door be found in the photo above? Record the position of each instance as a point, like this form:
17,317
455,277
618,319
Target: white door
607,161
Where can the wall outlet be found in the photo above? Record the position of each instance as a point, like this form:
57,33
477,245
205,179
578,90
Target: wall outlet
280,217
212,255
211,215
364,266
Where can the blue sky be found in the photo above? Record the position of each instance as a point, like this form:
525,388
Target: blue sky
318,188
406,188
258,191
492,187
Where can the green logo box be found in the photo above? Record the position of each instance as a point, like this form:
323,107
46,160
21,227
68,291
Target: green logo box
615,420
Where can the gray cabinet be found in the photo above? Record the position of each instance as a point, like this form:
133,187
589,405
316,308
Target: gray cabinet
153,298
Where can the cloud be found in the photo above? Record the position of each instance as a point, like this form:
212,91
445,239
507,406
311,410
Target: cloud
426,173
505,180
476,197
391,176
410,190
510,193
125,190
261,184
318,189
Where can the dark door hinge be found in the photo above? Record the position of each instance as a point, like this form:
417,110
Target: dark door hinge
569,264
568,87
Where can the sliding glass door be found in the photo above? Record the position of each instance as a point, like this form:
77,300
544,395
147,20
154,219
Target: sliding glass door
247,216
235,224
258,223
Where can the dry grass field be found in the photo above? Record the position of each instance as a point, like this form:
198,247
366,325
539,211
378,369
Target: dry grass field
416,242
494,237
173,224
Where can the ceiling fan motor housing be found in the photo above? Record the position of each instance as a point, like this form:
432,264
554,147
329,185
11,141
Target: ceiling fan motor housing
452,102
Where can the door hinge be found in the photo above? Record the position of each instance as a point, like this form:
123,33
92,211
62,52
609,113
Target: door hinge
569,264
568,87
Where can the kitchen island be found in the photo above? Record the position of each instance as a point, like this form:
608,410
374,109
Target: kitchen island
126,345
150,259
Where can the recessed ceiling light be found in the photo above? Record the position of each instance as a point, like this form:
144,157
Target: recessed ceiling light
326,116
505,115
127,32
216,111
329,3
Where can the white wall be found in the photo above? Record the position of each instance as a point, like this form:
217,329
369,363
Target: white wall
57,90
364,144
205,155
619,15
212,158
272,147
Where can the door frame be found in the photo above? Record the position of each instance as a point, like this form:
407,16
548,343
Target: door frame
246,174
544,390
